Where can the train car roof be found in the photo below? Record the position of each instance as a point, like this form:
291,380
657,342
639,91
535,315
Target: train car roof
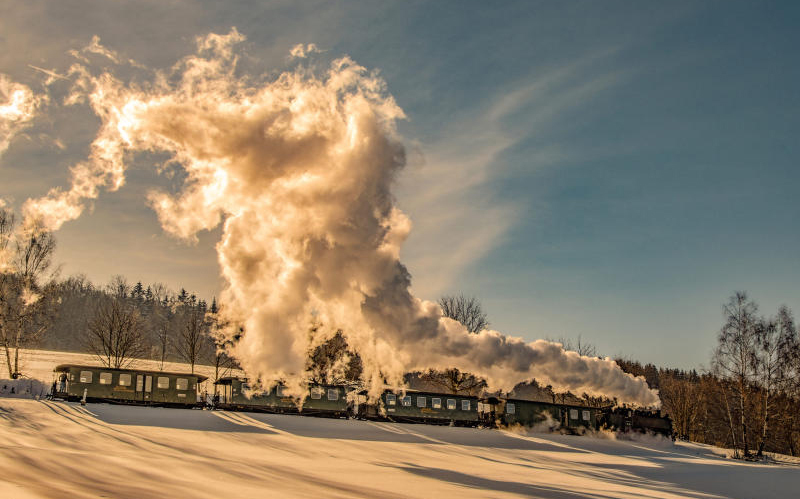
412,391
227,380
558,404
66,367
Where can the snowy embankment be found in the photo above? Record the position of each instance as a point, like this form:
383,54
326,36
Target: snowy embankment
56,449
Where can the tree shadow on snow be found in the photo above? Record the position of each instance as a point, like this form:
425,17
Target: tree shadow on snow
358,430
476,482
698,477
181,419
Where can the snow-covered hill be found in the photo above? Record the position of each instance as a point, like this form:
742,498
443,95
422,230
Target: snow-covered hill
63,450
57,450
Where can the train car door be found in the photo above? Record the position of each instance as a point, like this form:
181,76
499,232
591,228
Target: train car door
226,394
148,386
140,387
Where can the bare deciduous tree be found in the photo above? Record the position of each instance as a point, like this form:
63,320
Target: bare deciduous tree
7,224
776,340
467,311
735,358
115,334
454,381
192,339
579,345
159,291
25,256
221,342
223,363
681,397
119,287
164,338
332,361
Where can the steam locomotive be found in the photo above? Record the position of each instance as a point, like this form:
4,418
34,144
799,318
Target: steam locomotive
156,388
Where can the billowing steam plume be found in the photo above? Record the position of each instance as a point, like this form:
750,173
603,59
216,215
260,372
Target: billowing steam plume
18,106
299,171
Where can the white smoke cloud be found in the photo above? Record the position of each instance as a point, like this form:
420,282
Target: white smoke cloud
96,48
301,51
299,171
18,106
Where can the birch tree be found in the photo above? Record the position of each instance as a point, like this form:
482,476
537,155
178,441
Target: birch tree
775,342
735,358
25,257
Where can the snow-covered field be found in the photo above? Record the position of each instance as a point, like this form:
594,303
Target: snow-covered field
56,449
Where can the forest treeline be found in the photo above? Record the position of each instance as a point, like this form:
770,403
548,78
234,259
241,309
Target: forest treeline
121,322
749,398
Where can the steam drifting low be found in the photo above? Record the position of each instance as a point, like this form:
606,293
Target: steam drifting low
298,170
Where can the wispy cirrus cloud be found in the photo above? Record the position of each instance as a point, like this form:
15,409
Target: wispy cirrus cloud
449,188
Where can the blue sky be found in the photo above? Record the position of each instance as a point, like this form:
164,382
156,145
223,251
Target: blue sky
613,170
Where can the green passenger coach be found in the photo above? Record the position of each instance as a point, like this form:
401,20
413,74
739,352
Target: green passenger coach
423,407
126,386
321,400
567,417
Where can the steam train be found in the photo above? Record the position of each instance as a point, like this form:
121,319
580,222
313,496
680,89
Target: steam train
156,388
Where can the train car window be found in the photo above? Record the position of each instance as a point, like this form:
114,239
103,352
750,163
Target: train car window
451,404
406,401
280,391
316,392
586,415
465,405
163,382
86,376
436,403
573,413
510,408
420,401
105,378
124,380
333,394
182,384
391,399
